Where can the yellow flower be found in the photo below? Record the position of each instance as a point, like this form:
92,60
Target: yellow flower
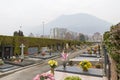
85,64
52,63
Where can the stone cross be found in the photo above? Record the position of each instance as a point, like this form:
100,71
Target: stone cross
67,46
22,51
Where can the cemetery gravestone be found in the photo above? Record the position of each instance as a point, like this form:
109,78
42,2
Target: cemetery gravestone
7,52
33,50
22,51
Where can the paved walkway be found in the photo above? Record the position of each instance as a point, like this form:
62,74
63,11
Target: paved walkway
62,75
29,73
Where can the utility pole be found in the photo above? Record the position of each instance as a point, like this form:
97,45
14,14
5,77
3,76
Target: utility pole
43,28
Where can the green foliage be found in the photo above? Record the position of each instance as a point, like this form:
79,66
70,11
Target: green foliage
16,41
19,33
118,68
116,57
81,37
112,42
73,78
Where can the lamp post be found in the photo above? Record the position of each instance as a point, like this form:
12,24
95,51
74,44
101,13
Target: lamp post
43,28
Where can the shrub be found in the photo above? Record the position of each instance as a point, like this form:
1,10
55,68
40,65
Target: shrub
73,78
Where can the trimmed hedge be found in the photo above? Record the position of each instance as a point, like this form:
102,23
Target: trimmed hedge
16,41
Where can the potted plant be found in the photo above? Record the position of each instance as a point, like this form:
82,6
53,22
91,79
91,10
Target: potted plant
85,65
98,65
73,78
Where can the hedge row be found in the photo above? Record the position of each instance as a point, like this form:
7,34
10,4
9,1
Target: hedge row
16,41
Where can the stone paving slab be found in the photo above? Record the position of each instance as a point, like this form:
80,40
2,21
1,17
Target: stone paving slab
61,76
78,70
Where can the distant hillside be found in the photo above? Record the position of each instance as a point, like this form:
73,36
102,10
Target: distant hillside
83,23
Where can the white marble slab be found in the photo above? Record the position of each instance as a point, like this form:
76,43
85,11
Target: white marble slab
85,58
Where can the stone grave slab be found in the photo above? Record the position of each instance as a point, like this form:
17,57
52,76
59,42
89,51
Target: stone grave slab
7,67
92,59
89,55
78,70
36,60
22,64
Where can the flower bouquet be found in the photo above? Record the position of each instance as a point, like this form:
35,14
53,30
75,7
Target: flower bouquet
85,65
64,58
43,53
53,64
44,76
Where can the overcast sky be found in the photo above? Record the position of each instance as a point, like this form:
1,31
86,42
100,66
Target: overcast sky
31,13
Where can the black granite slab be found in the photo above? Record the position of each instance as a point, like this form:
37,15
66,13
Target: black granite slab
7,67
78,70
22,64
89,55
4,66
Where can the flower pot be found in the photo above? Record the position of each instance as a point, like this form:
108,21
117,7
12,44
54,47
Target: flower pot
43,54
85,69
64,65
52,71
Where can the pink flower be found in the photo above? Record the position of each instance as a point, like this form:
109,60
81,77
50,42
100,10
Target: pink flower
51,76
46,76
64,56
37,77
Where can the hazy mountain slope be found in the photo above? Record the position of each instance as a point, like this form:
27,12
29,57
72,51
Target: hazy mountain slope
84,23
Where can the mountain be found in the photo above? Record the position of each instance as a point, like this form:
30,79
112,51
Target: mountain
82,23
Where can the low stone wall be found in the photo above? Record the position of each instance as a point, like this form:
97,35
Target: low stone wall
113,69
